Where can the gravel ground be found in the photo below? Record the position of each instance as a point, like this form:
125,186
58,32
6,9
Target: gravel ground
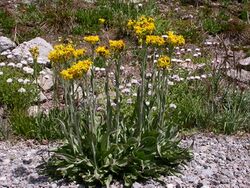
219,162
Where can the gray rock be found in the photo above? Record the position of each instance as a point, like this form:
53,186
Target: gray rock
42,97
241,75
245,64
22,51
45,80
137,185
6,43
170,185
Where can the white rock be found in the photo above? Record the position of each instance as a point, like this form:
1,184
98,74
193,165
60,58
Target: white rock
42,97
170,185
245,64
22,50
45,81
242,75
6,43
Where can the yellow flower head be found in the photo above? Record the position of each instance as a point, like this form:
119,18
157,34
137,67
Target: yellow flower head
92,39
163,62
79,53
130,24
155,40
76,70
142,26
116,45
101,20
175,40
102,51
34,52
61,53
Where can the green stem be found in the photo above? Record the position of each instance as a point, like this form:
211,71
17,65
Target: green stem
118,98
109,112
142,92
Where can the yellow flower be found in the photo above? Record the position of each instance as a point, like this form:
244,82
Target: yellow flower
130,24
76,70
154,40
102,51
34,52
66,75
163,62
79,52
101,20
116,45
142,26
92,39
175,40
61,53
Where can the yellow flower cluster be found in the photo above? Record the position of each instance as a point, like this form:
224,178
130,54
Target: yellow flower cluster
102,51
76,70
155,40
65,52
34,52
175,40
79,52
92,39
143,26
163,62
116,45
101,20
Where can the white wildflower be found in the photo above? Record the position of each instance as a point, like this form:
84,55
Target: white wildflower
129,101
25,81
197,77
19,65
122,68
9,80
204,76
126,90
97,68
11,65
128,85
134,95
134,81
148,75
10,56
24,62
173,106
2,64
28,70
20,80
22,90
1,73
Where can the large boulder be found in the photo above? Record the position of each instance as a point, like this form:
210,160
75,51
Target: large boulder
6,43
21,52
